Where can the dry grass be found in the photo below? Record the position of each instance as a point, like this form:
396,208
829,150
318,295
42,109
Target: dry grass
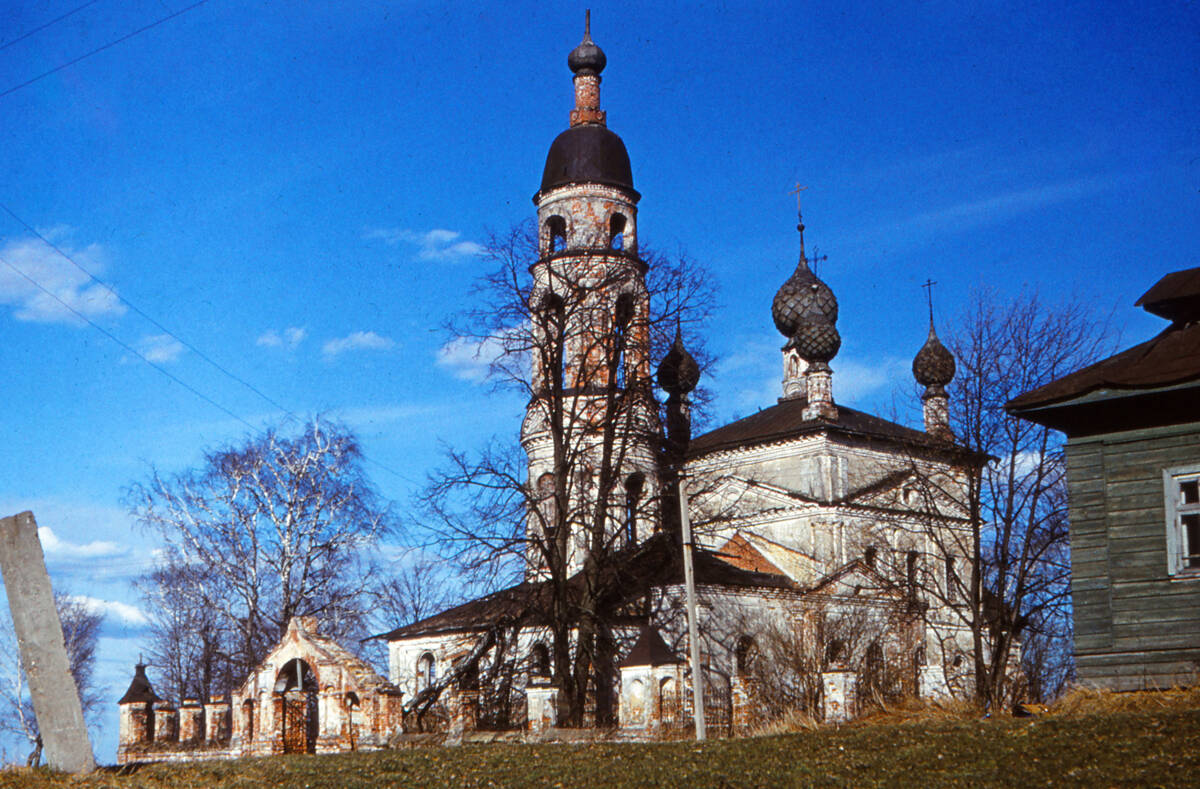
1089,739
1090,701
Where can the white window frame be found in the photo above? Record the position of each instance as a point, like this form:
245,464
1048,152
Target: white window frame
1175,510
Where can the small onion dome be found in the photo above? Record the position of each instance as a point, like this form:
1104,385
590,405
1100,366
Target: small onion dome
587,58
678,372
933,364
816,339
804,297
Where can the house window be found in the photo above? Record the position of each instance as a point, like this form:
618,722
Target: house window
1182,490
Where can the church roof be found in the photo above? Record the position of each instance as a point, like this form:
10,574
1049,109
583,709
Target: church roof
588,153
655,562
650,650
786,420
140,690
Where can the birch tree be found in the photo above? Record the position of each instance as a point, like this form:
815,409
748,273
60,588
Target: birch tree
274,527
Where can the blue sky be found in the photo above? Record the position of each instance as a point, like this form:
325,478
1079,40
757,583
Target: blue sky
299,191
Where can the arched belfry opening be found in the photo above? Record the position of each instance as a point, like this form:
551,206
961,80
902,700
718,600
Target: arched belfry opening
616,232
555,234
296,706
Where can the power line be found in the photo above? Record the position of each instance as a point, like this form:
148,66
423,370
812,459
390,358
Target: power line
205,357
54,21
142,313
126,345
100,49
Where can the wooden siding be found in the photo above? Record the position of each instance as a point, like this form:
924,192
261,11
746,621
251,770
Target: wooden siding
1135,625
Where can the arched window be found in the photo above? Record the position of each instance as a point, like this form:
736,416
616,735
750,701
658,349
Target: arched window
616,232
874,666
833,651
633,497
744,655
539,660
426,671
911,572
556,234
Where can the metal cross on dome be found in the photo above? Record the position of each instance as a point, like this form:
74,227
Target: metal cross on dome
816,258
928,285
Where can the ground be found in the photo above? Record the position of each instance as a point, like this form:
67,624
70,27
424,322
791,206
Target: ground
1096,740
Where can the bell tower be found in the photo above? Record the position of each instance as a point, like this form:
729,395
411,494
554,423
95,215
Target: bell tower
591,428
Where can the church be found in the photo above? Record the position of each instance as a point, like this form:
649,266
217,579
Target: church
825,552
830,548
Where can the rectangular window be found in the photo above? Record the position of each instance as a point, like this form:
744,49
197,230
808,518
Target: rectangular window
1183,520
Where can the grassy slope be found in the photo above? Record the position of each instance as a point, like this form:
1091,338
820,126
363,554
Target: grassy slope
1142,748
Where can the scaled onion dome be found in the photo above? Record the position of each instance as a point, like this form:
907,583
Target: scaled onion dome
804,297
806,311
933,364
678,372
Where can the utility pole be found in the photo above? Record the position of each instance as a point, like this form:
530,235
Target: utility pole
689,583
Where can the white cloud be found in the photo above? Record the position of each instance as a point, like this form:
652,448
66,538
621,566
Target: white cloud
66,288
289,338
357,341
57,548
471,359
855,380
981,212
434,244
112,609
160,348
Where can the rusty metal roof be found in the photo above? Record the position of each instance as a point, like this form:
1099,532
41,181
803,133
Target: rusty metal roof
786,420
655,562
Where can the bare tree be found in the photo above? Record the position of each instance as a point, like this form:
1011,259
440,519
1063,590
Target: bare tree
260,532
81,630
578,346
1016,588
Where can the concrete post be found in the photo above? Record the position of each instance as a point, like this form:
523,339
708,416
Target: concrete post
43,653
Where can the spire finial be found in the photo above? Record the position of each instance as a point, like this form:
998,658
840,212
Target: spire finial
587,25
928,285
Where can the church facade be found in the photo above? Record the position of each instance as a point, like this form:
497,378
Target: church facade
831,546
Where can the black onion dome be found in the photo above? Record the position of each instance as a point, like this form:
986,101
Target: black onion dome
816,339
588,153
587,58
678,372
140,691
804,297
933,364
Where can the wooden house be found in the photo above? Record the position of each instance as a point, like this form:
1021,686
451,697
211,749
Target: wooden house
1133,471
